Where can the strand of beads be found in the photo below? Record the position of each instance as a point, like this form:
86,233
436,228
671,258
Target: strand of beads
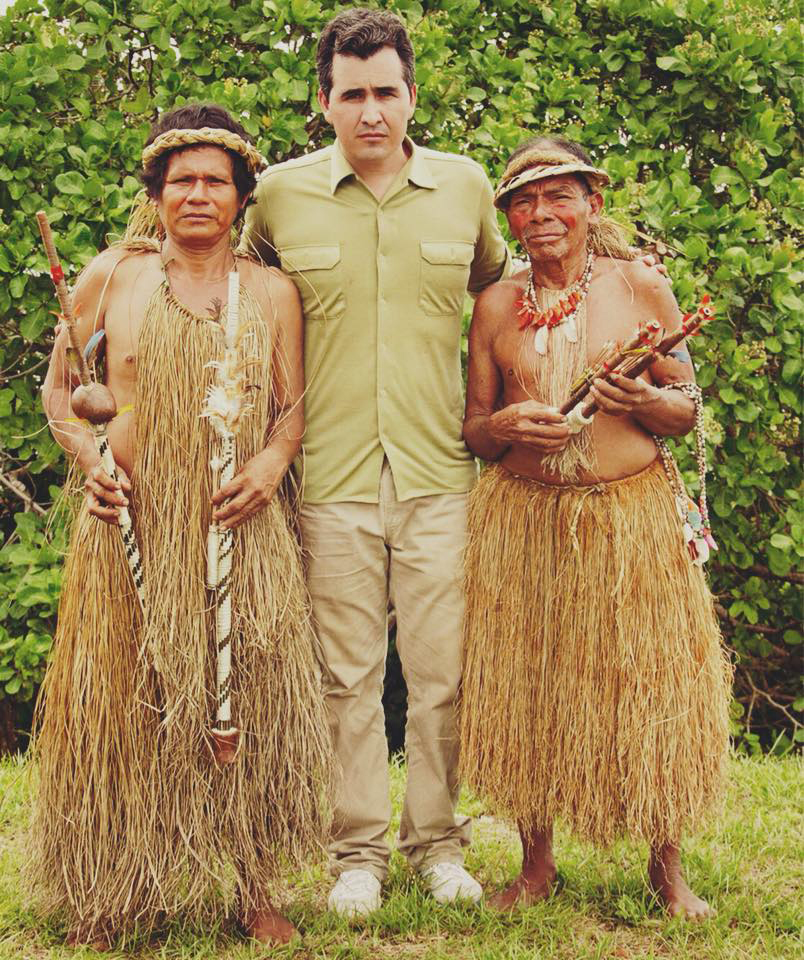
694,516
563,312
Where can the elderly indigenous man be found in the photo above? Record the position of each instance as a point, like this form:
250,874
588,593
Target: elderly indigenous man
383,237
595,687
134,819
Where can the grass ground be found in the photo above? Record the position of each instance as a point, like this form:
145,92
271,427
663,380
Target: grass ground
748,865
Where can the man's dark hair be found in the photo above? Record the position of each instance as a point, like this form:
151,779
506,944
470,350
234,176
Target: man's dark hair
361,33
194,116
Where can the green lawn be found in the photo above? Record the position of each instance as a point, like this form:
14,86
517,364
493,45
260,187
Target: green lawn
748,865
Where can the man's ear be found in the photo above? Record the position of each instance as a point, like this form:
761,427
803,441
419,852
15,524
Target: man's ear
596,203
412,91
323,103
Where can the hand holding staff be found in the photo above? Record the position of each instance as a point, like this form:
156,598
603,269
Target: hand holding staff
91,401
633,364
611,358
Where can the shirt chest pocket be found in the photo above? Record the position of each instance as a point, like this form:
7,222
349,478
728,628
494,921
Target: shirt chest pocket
444,275
316,271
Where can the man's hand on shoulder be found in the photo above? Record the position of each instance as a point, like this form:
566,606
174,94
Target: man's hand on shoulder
649,260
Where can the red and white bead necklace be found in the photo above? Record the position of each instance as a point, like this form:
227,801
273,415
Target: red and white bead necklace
563,313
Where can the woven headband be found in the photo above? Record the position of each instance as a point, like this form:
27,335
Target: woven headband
213,136
545,165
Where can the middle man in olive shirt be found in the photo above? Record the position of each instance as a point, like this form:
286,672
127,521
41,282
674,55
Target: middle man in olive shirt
383,238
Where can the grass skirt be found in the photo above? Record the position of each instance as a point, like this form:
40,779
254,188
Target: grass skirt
595,687
133,818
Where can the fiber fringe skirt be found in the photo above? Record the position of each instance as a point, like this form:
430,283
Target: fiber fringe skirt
595,685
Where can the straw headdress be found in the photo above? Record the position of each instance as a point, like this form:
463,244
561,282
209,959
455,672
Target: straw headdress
537,164
211,136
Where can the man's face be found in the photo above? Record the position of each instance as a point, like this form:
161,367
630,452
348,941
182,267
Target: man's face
550,218
199,201
369,106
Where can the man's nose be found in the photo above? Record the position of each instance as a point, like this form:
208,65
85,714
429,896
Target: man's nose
539,209
371,115
198,192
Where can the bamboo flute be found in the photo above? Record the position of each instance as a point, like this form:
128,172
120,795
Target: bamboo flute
642,363
93,402
579,415
641,340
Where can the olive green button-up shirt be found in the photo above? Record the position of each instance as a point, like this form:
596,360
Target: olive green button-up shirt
382,284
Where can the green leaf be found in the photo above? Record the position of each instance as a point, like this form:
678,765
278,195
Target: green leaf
781,541
70,183
724,175
32,325
93,188
729,395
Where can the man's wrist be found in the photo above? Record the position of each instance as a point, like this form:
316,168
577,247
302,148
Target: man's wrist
87,457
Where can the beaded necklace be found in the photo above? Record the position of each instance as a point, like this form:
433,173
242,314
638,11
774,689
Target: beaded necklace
694,516
563,313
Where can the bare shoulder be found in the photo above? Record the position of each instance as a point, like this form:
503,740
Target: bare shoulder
95,279
639,282
100,268
497,303
641,278
272,289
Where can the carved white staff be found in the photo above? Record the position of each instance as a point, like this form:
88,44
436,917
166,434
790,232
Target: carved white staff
224,406
92,401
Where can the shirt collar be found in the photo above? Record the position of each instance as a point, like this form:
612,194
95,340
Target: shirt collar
418,169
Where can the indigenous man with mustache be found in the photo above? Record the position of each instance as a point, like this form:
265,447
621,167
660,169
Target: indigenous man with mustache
134,821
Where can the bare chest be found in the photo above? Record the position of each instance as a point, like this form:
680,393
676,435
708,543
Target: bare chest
610,316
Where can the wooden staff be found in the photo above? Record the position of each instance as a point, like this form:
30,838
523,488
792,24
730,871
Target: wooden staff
93,402
580,415
220,542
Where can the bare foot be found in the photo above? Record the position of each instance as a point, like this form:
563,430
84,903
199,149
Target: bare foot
524,892
269,926
667,881
99,941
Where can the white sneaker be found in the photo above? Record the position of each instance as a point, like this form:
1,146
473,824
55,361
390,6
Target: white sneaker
356,894
448,882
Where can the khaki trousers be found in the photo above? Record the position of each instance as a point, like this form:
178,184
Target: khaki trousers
359,556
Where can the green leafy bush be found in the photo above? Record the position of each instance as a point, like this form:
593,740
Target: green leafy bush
691,105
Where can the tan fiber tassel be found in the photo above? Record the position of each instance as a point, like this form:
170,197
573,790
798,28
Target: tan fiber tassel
551,376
